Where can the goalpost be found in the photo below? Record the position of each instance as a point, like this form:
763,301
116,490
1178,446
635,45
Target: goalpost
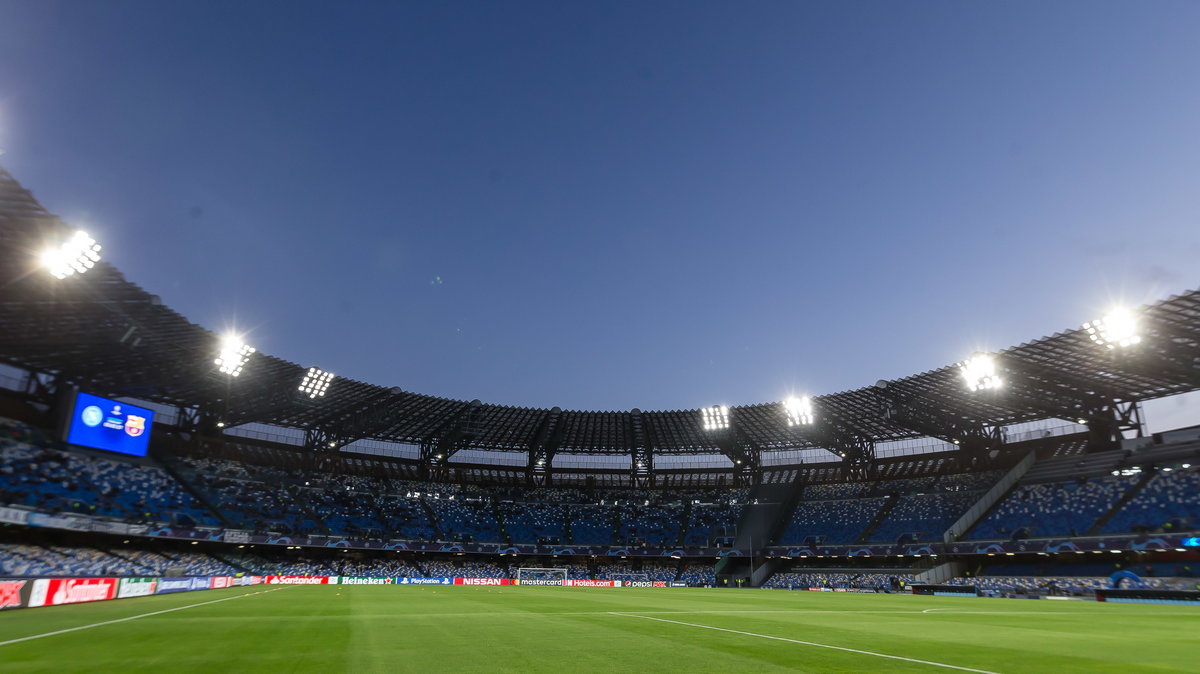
538,576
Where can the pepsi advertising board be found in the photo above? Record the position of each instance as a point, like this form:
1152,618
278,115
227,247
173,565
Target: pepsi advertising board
100,423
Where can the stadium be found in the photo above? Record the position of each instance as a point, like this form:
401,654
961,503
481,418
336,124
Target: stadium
599,337
144,456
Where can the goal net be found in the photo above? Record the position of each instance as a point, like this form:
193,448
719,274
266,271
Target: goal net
535,576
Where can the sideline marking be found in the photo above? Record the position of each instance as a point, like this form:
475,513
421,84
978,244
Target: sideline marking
127,619
809,643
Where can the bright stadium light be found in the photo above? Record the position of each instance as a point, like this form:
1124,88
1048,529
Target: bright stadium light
715,418
1118,328
75,256
316,381
233,354
799,411
979,372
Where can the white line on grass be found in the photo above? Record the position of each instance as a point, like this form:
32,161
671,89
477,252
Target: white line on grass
132,617
809,643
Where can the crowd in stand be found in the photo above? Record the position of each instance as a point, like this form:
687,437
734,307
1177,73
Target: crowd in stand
1053,509
55,481
831,521
1167,502
54,560
1064,585
219,492
698,574
887,511
893,581
923,517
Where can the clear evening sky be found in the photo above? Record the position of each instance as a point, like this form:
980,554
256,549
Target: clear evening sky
604,205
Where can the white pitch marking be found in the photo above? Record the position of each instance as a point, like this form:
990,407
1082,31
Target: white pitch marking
809,643
121,620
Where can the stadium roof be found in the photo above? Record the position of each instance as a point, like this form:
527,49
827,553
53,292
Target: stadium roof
112,337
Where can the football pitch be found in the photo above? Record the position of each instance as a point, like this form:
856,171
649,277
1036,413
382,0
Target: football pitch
392,628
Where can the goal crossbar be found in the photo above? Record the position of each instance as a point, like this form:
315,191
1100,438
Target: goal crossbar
528,575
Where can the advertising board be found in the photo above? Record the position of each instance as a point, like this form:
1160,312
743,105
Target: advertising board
136,587
59,591
13,593
183,584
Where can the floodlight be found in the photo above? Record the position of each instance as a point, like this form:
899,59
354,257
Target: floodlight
316,381
1118,328
799,411
715,418
979,372
233,355
75,256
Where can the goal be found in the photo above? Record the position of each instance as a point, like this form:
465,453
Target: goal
536,576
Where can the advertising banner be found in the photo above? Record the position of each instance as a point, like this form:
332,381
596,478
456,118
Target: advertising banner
298,580
591,583
69,522
14,593
136,587
14,515
59,591
365,580
544,581
678,583
482,581
184,584
424,581
106,527
219,582
641,583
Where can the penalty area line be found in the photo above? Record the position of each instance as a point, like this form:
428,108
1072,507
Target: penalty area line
128,618
807,643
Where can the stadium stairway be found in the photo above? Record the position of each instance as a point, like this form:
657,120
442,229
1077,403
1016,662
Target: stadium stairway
762,521
683,523
433,519
880,516
132,562
170,464
990,500
297,496
569,526
234,564
500,521
1121,503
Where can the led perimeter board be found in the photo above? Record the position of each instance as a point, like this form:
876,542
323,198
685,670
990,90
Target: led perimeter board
100,423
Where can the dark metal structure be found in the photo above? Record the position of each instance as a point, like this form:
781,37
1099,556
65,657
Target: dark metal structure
102,332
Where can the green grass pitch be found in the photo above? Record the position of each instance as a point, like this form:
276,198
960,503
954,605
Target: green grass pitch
549,629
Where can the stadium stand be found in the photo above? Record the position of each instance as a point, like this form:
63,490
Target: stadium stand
1167,502
1053,509
890,582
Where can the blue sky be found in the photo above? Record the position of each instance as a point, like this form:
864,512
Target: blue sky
612,205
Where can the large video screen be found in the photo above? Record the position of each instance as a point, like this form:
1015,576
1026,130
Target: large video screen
100,423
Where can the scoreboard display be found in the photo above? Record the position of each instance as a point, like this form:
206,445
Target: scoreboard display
110,425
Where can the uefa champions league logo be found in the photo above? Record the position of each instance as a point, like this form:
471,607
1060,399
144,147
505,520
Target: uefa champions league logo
92,415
